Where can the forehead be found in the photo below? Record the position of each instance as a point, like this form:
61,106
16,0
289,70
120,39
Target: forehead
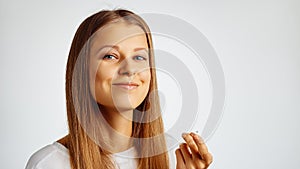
115,33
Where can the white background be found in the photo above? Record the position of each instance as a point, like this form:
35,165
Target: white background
257,43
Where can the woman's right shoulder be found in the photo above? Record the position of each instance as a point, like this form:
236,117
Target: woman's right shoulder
51,156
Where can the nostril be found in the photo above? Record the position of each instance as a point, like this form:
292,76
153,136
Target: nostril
126,72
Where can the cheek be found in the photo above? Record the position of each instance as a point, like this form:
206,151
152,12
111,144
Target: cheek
146,77
102,82
104,76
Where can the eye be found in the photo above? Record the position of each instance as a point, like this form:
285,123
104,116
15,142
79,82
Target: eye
109,57
138,57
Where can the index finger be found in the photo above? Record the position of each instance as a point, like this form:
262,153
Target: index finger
202,148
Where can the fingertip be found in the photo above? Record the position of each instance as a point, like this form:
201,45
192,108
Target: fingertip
197,138
182,145
180,159
183,135
193,134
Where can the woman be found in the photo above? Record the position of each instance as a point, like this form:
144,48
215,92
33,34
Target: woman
113,107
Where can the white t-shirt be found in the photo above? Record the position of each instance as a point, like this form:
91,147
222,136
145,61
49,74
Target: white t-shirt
56,156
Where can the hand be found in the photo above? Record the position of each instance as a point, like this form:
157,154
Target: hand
193,154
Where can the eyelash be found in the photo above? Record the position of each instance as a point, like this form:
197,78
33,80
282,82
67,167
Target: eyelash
143,58
106,57
135,57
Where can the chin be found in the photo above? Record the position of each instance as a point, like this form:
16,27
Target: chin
125,107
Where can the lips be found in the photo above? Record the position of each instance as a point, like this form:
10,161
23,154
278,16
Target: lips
126,85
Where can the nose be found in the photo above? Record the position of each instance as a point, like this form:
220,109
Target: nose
127,68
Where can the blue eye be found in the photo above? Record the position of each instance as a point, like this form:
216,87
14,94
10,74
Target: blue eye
139,58
109,57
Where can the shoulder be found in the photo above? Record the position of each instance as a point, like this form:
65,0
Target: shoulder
51,156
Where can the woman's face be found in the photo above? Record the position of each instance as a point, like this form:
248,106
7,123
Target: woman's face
119,66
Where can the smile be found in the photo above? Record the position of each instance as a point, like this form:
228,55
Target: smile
127,86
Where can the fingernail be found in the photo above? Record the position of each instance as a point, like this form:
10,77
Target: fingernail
184,135
193,134
197,137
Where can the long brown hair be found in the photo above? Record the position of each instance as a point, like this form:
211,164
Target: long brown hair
81,108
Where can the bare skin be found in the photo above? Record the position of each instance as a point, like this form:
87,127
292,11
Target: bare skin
193,154
120,78
119,58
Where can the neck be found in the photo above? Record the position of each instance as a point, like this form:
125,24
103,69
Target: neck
121,122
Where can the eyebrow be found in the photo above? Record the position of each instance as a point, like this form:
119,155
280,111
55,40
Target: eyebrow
137,49
108,46
117,48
